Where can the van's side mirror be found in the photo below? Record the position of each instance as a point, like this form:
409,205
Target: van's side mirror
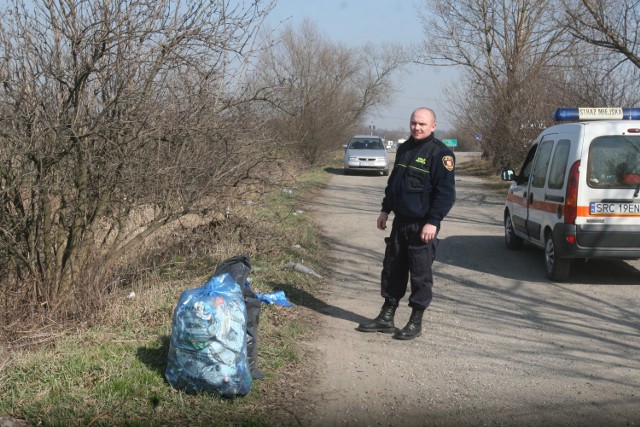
508,175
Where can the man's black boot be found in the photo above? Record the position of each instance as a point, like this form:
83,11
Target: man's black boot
382,323
413,328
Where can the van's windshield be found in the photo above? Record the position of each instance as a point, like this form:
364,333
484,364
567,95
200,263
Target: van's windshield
614,162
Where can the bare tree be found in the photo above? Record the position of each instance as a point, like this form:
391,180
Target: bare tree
322,90
606,57
611,25
117,118
592,76
503,48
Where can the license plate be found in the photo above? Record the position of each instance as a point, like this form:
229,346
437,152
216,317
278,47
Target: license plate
365,164
602,208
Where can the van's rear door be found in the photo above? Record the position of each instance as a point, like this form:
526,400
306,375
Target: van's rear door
609,197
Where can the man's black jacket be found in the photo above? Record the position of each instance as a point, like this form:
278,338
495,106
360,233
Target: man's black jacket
422,183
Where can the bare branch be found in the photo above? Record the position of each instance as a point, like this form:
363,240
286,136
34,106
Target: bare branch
606,24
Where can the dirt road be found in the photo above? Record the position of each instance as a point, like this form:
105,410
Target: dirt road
501,345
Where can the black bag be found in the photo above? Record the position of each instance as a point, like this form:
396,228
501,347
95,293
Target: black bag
239,268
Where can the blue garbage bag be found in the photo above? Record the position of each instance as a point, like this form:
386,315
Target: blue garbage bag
278,298
239,267
208,348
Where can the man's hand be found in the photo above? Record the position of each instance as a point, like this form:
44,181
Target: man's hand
428,233
382,220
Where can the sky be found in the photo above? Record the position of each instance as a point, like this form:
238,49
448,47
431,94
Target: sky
356,22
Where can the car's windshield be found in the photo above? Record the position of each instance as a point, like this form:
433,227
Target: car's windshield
366,144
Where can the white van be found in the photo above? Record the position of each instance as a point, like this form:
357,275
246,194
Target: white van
577,194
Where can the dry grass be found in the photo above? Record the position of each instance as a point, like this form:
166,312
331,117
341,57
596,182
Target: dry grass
480,167
477,166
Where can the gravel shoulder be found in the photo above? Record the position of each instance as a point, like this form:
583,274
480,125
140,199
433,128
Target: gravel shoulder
501,345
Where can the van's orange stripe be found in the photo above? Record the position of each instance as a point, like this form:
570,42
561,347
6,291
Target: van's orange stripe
584,211
545,206
537,205
516,199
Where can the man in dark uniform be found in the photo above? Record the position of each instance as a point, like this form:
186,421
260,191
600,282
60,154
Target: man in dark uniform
420,192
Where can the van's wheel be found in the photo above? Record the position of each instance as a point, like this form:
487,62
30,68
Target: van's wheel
557,269
512,240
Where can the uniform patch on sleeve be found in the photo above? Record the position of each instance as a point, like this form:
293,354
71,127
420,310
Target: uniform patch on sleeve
447,161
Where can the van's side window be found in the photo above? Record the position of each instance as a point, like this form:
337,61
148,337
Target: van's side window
614,162
525,171
541,164
559,164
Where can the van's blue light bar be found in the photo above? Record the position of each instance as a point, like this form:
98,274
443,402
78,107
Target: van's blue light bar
574,114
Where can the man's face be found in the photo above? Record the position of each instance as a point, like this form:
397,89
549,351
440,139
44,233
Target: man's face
422,124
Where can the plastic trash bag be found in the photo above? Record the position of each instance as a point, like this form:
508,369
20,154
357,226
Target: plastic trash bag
208,348
239,268
278,298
